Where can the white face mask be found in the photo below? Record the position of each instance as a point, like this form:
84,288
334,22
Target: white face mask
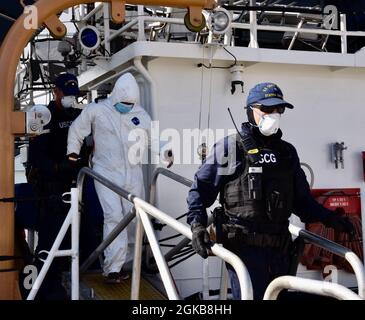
269,124
68,101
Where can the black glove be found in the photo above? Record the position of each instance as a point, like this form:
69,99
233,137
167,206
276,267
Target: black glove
73,157
200,240
70,166
340,223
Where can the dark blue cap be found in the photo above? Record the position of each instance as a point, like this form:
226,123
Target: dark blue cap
268,94
68,83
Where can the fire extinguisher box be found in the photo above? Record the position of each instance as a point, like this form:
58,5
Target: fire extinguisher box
315,258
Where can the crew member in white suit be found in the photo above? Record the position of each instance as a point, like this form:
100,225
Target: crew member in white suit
115,124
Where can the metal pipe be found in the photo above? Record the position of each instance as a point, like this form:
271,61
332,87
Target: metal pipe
161,263
141,29
167,173
92,13
108,240
106,16
253,26
75,234
295,35
337,249
164,19
131,68
137,261
323,288
246,26
121,30
96,176
144,72
226,255
63,253
205,274
224,282
343,28
152,199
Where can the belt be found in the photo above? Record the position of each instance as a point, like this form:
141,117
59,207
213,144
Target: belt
259,227
237,236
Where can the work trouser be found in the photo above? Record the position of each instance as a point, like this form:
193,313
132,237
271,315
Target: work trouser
263,265
263,261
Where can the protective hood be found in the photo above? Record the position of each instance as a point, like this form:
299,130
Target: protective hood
125,90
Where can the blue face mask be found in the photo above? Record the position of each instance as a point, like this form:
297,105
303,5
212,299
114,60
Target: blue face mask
123,108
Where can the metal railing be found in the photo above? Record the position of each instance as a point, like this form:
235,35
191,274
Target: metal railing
184,242
73,219
252,26
143,209
323,288
118,228
337,249
152,199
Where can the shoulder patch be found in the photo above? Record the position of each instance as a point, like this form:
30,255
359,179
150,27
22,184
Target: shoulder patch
136,121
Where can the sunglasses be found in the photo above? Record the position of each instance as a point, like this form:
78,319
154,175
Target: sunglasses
278,109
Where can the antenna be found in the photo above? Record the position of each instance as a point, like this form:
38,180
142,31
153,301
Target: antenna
234,123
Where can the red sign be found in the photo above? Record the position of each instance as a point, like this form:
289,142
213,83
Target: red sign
348,199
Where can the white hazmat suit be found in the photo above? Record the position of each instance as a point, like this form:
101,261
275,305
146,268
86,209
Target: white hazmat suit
110,129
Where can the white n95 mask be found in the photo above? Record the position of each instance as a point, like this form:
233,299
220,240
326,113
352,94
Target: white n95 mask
269,124
68,101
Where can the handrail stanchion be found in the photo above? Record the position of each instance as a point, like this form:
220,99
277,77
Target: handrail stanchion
161,262
343,28
224,282
137,261
75,233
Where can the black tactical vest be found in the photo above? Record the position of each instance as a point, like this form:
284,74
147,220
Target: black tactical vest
276,204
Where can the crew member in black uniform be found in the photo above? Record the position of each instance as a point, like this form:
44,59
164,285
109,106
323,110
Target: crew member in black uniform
261,183
52,174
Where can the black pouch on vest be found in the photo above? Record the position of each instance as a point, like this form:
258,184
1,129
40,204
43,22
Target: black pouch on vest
219,219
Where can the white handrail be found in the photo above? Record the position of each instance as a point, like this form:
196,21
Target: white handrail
160,261
344,252
323,288
231,258
72,219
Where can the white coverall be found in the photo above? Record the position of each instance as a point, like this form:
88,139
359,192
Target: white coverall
110,130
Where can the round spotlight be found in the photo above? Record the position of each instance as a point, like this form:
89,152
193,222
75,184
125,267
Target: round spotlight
219,21
89,38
